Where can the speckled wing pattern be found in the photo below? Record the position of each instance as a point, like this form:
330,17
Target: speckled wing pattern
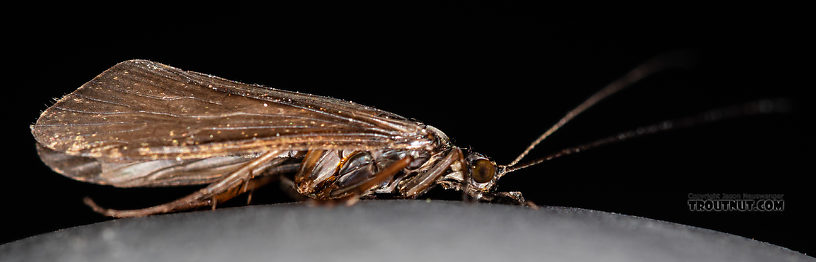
142,111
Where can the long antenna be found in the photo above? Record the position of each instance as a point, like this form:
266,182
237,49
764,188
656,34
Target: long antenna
751,108
656,64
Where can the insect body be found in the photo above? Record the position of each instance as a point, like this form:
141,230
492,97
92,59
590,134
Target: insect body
142,124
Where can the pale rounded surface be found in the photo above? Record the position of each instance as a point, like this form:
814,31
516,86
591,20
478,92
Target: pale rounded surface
396,230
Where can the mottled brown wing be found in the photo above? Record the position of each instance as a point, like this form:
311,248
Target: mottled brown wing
140,110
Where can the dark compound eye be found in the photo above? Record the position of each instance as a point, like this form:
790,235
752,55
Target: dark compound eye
483,171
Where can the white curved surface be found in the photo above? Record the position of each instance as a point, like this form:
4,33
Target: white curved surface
394,230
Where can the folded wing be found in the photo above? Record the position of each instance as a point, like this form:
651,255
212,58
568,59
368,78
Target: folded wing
140,110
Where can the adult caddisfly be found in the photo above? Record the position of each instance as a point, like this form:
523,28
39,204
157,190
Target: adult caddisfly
142,124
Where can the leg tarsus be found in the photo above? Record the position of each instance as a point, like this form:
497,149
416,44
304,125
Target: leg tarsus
246,186
351,200
129,213
513,197
98,209
288,187
348,200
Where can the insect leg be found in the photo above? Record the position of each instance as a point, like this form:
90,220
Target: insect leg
271,174
288,186
513,197
220,191
246,185
351,195
425,180
380,177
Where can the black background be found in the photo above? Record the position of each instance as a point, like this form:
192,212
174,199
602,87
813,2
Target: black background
493,76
